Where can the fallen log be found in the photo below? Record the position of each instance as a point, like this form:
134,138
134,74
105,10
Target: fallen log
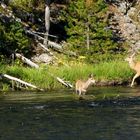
20,81
40,33
67,84
50,43
26,60
54,45
44,48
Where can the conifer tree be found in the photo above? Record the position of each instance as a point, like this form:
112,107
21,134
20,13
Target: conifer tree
87,28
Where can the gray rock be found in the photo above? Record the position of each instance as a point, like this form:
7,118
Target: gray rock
43,58
132,11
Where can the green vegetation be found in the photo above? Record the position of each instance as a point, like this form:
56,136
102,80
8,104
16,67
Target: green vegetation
86,30
45,77
27,5
22,3
88,33
13,38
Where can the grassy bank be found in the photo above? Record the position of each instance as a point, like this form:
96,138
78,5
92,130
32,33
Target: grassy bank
44,76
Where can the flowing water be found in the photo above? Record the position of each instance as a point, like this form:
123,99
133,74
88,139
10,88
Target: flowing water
30,116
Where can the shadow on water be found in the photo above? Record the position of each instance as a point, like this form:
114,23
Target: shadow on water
32,116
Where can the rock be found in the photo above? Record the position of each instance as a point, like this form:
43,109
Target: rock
137,44
130,28
132,11
122,7
43,58
128,23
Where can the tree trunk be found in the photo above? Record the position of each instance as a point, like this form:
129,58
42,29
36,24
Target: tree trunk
47,24
88,36
87,33
26,60
20,81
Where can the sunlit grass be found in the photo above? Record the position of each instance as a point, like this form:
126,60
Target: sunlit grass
113,70
46,77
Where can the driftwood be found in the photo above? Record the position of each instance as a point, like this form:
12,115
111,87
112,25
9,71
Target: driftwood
50,43
55,45
44,48
65,83
19,81
26,60
40,33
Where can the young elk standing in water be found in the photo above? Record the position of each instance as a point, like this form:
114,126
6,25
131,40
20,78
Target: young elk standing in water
135,66
82,86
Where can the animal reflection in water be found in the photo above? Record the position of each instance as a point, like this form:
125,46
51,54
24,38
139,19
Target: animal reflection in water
81,86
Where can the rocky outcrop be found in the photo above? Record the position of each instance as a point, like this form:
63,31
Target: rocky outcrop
43,58
125,21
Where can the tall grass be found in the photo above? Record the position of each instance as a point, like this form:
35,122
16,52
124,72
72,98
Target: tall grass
46,77
113,70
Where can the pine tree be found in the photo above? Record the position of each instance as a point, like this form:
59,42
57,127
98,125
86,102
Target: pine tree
87,28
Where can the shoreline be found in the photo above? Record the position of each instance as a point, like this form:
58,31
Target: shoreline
111,73
112,94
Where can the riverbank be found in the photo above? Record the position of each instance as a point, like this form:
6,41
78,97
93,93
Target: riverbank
111,73
96,95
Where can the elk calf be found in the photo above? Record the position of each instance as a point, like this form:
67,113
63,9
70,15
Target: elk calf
82,86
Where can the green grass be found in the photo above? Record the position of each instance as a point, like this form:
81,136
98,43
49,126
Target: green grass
114,70
45,77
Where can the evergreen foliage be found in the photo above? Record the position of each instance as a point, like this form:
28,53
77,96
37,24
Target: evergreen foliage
13,38
87,24
80,16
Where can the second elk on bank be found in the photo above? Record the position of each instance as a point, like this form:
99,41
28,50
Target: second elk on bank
135,66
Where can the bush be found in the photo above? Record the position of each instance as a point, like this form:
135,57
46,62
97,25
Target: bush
13,38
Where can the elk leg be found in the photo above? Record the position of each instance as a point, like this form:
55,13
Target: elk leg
136,76
80,92
84,92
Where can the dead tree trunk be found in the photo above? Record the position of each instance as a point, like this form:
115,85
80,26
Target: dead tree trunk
50,43
65,83
19,81
47,23
87,33
26,60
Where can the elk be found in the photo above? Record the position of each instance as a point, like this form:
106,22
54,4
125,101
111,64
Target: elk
81,86
135,66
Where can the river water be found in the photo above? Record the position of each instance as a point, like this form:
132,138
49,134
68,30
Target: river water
24,119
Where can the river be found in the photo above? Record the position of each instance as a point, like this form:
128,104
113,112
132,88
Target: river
30,116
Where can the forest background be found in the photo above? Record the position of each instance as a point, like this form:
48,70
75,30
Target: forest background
91,42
